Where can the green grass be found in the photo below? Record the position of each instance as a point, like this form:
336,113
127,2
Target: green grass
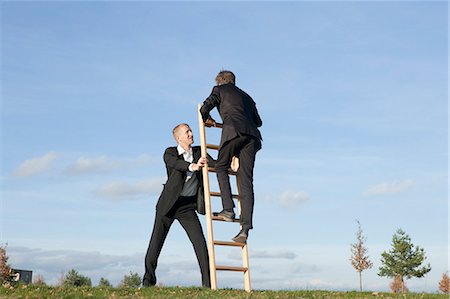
34,291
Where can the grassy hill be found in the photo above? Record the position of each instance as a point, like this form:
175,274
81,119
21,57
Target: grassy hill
34,291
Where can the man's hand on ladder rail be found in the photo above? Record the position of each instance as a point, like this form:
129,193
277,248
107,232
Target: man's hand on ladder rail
200,163
210,122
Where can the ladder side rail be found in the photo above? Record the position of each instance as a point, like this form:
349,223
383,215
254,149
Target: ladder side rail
207,197
209,216
245,257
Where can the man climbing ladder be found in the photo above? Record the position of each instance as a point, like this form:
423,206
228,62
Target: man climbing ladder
241,138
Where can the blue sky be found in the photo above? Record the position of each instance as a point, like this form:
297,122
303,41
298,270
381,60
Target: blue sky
353,97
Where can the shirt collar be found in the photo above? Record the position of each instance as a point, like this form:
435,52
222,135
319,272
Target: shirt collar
182,151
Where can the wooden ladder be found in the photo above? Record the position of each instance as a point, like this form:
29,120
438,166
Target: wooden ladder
210,217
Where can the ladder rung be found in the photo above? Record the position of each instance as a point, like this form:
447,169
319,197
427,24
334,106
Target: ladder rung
217,125
217,194
231,268
229,243
237,220
212,146
212,169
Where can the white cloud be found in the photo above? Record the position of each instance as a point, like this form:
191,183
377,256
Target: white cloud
303,269
99,165
103,164
177,265
52,263
287,199
387,188
144,159
290,198
126,190
172,270
281,254
35,166
56,260
264,254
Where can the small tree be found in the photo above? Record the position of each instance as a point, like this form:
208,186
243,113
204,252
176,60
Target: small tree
74,279
131,281
403,260
398,285
444,284
5,269
104,283
359,258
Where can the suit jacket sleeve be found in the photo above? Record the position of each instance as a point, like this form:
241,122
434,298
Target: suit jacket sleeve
212,101
256,117
172,161
211,161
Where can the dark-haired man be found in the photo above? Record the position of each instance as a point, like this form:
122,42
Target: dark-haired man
240,137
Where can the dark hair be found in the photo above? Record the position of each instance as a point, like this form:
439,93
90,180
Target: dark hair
225,77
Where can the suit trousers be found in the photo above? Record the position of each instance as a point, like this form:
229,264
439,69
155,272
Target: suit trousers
245,147
184,212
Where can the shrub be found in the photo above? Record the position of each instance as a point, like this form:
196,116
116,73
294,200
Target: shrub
74,279
398,285
104,283
444,284
131,281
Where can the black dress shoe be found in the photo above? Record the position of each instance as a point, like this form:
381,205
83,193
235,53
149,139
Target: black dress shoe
241,237
148,283
226,215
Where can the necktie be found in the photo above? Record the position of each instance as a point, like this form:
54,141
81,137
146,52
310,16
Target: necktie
188,157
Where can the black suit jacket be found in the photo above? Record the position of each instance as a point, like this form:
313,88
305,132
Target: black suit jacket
237,110
176,175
